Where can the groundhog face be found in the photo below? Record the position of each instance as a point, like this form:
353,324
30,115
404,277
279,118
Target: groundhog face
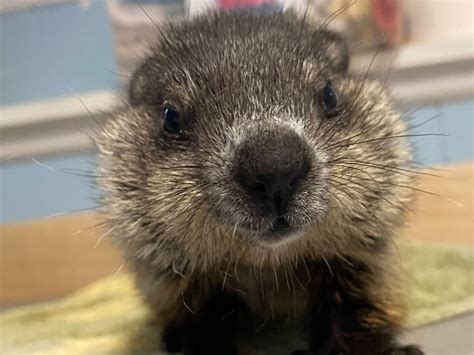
253,126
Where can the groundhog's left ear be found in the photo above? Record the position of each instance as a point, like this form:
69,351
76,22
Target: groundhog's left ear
335,49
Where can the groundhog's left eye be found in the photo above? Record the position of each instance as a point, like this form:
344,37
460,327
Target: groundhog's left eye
171,120
329,100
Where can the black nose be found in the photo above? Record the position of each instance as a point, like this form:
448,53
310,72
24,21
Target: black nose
271,165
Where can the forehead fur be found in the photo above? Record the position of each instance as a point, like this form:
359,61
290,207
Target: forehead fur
239,56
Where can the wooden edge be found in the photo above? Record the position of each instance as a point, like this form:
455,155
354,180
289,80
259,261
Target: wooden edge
443,211
47,258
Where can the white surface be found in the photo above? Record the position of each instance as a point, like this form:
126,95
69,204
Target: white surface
452,336
424,73
440,20
61,125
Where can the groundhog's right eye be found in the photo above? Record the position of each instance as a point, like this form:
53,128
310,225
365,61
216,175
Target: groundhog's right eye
171,120
329,100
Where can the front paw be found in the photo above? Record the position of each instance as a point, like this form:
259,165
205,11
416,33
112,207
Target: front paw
405,350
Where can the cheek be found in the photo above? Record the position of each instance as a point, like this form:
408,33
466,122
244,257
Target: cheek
172,196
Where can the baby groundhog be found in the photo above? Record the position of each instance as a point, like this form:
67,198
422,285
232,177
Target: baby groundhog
255,187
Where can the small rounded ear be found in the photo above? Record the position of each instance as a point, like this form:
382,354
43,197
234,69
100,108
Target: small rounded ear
335,50
139,88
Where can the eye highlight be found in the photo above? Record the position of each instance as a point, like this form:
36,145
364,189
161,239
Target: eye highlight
329,100
171,120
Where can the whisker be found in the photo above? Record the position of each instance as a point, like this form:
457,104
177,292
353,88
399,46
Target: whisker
303,21
91,114
70,171
177,272
364,188
235,268
176,167
419,164
275,274
351,161
327,21
398,185
349,191
63,213
295,276
395,245
119,269
120,74
57,214
285,269
411,128
262,289
389,70
186,305
233,232
408,112
36,161
346,260
95,226
149,17
328,266
392,137
260,327
107,233
225,275
333,195
308,274
373,126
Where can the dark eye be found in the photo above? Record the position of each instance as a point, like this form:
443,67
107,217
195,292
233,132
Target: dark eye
171,120
329,99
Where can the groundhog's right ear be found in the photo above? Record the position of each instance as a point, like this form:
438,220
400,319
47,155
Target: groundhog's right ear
139,89
335,49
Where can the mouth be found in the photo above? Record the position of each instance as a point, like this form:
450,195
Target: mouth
281,227
280,232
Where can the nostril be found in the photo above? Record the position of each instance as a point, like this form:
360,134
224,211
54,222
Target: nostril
294,181
300,174
277,200
280,200
257,187
281,223
251,183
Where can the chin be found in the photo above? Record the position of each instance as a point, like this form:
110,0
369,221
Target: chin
279,236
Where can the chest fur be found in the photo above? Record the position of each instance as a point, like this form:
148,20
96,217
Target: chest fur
275,293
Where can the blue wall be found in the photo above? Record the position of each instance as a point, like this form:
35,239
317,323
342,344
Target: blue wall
29,190
455,121
55,50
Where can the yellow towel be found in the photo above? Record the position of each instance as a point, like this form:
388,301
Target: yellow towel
108,316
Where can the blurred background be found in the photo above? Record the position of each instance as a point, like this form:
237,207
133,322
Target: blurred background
64,64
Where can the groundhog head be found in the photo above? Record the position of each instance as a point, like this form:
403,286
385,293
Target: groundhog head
251,128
